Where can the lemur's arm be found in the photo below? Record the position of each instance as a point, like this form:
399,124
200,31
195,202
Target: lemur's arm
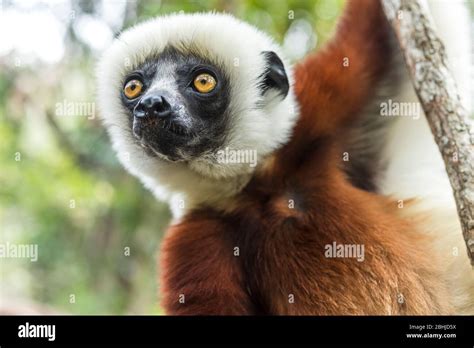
334,83
205,277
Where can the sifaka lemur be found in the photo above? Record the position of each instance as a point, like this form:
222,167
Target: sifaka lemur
332,175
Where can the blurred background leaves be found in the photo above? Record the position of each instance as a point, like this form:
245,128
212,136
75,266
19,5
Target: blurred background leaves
60,184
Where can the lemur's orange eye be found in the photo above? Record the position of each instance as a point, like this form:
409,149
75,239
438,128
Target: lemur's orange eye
133,89
204,83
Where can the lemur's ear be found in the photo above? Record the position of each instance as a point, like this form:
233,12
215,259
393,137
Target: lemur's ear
275,75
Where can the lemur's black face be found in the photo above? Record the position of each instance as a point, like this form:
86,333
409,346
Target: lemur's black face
177,105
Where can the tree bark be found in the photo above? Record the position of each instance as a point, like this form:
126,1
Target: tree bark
425,57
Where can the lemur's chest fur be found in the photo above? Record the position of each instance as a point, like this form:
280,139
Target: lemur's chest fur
273,255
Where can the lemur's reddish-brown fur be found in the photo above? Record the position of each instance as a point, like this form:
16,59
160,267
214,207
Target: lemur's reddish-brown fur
281,267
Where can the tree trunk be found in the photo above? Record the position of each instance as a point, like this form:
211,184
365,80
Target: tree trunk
425,57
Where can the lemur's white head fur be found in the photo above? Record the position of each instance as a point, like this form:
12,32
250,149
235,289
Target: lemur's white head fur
258,116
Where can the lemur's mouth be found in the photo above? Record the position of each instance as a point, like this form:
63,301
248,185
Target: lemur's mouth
174,128
161,138
142,128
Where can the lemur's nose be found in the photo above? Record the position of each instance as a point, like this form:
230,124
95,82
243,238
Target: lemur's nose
154,105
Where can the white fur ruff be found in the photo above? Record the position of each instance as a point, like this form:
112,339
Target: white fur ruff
232,44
